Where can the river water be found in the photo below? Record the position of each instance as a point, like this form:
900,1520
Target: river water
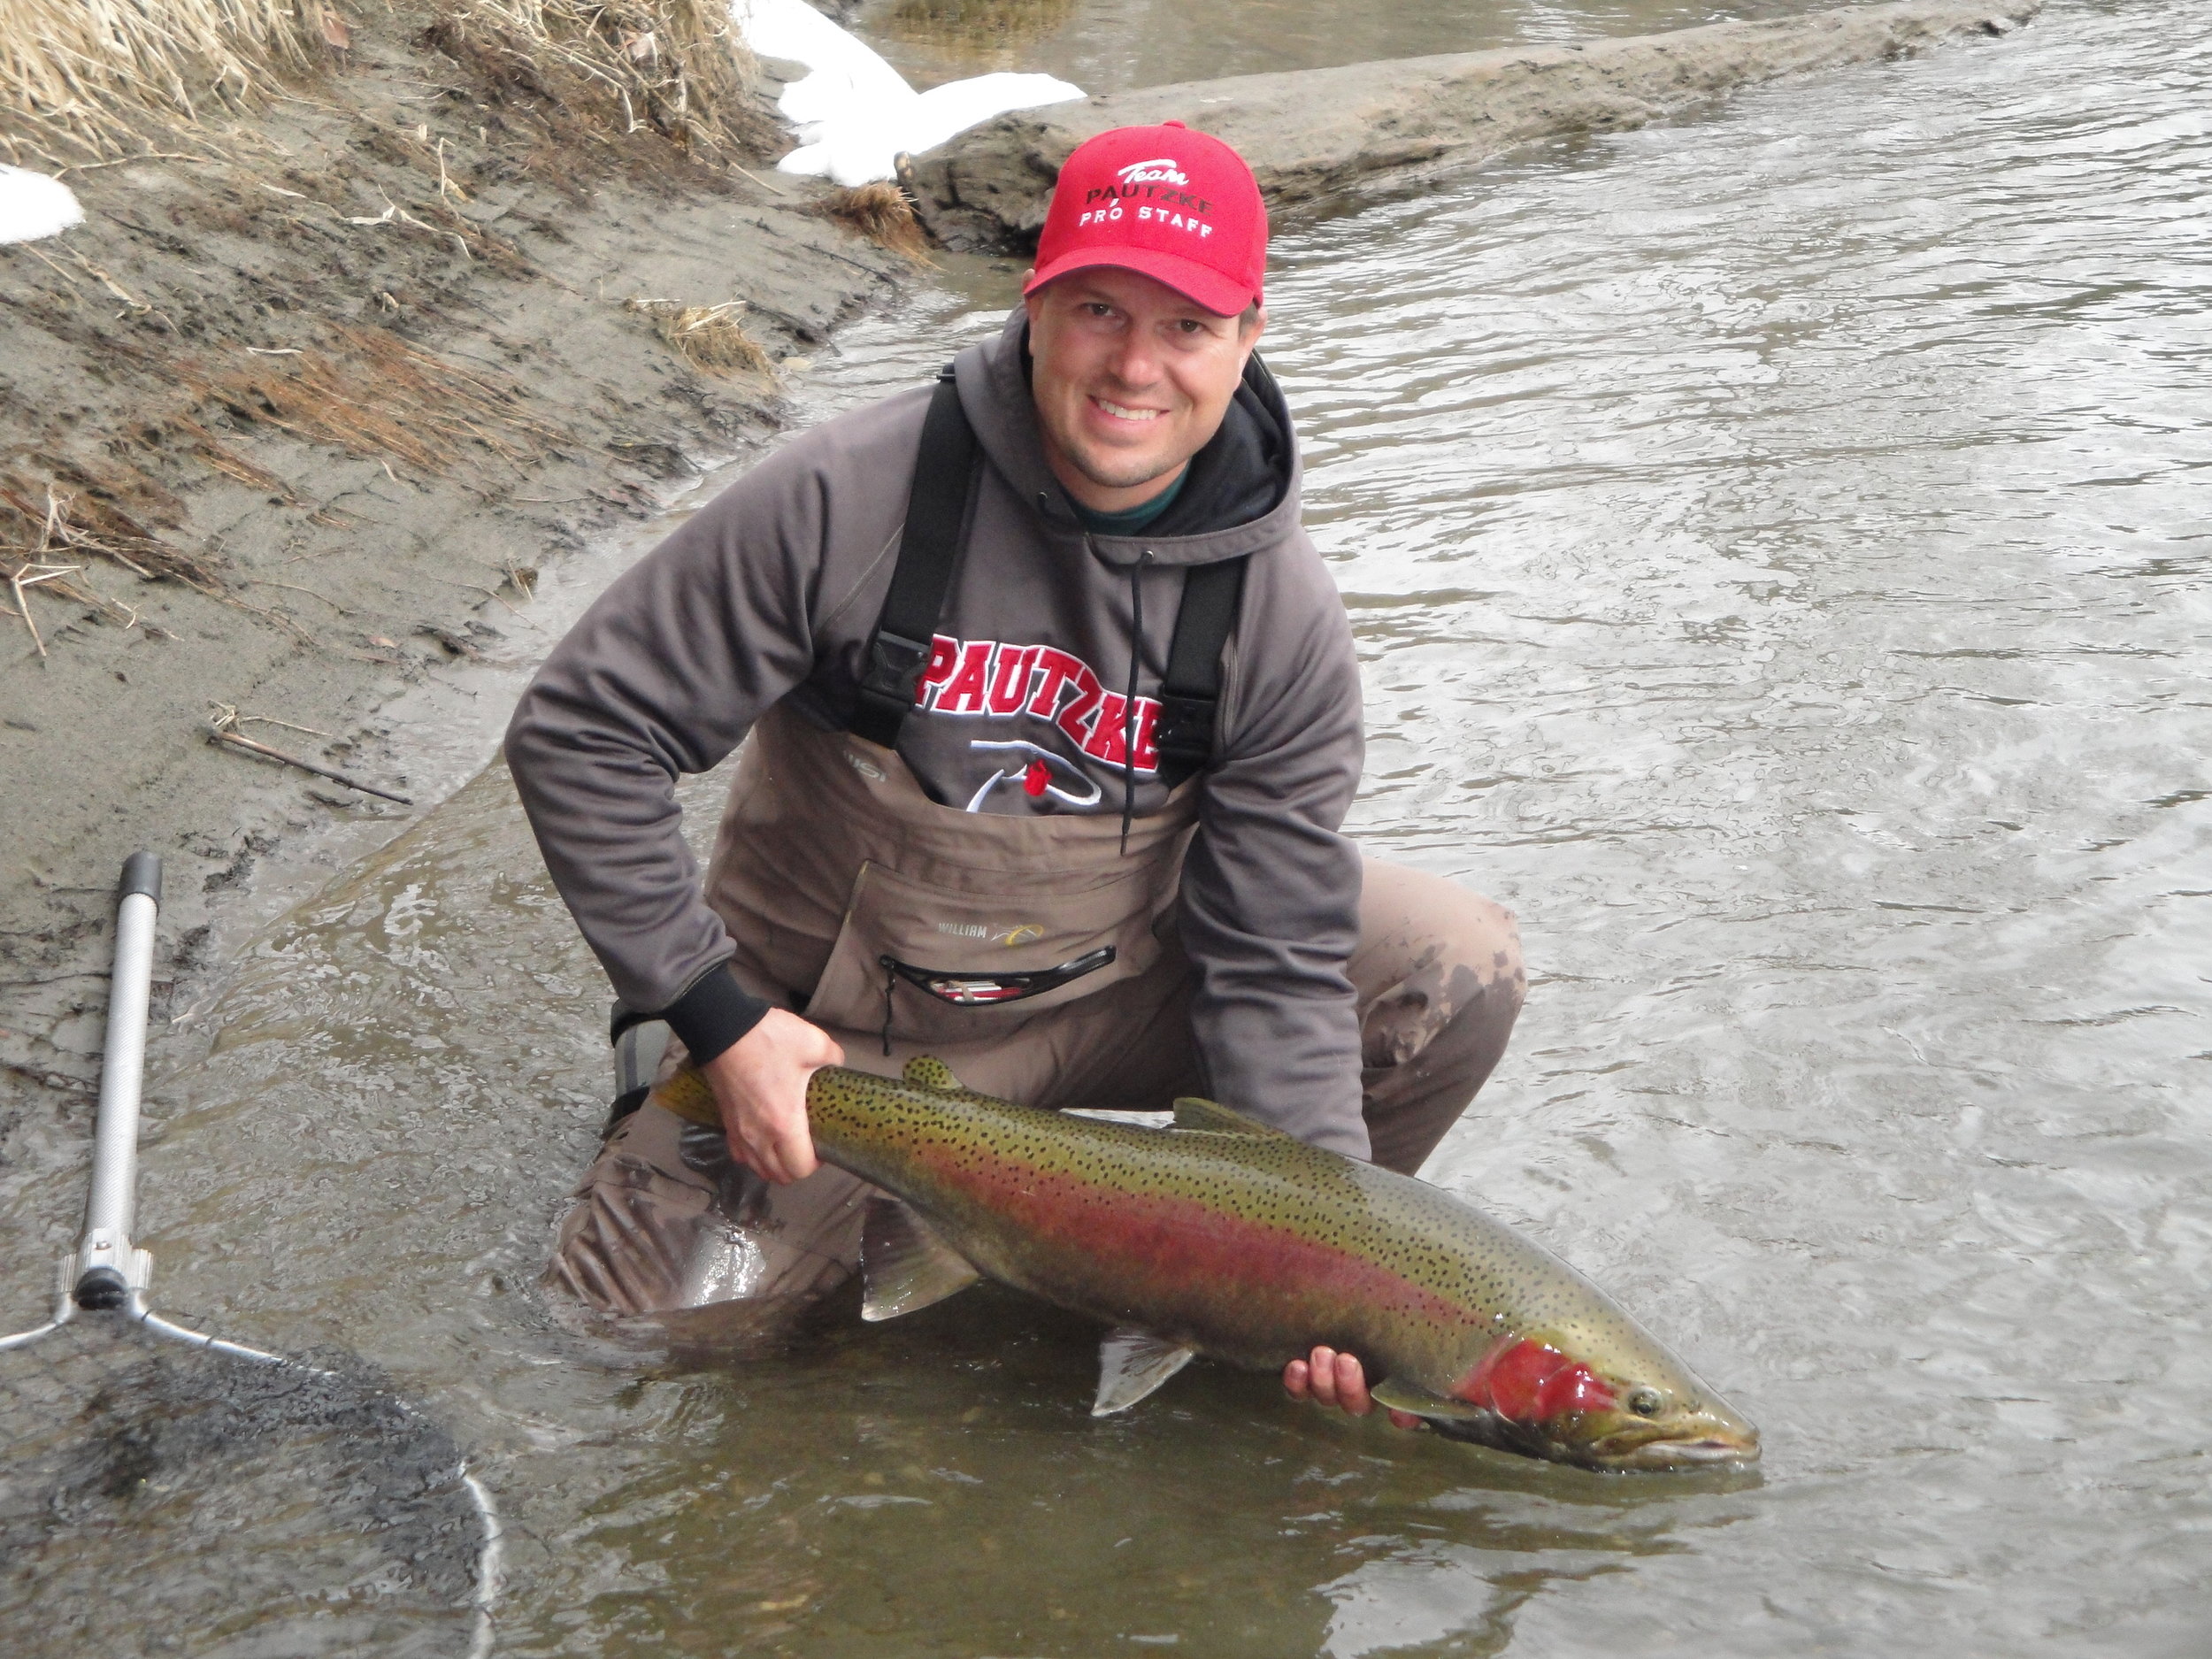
1778,547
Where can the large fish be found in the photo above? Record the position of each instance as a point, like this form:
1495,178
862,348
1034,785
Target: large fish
1223,1237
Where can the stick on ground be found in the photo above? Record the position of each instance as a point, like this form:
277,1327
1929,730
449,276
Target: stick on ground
219,731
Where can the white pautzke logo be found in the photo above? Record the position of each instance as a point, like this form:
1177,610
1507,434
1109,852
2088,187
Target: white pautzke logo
1162,171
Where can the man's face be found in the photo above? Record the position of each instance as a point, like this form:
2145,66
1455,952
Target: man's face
1131,380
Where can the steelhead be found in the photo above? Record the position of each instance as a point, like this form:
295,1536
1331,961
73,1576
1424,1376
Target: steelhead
1223,1237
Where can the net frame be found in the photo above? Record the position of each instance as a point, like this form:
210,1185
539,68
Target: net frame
107,1276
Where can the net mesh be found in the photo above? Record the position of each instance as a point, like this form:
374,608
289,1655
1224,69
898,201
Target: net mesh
159,1499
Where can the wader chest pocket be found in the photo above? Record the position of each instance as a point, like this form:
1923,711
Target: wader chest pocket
933,964
977,990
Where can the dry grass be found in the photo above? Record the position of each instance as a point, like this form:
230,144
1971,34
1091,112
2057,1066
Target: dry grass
596,72
383,399
708,337
97,72
52,538
47,523
880,212
85,68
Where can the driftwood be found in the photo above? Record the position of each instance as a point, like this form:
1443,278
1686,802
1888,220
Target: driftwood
223,730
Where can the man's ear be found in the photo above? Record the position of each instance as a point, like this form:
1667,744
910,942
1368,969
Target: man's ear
1250,327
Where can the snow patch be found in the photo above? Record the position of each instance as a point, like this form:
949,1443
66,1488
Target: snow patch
33,205
854,112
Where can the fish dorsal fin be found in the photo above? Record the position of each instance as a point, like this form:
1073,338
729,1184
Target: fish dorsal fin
688,1095
928,1071
1215,1118
904,1263
1130,1364
1405,1396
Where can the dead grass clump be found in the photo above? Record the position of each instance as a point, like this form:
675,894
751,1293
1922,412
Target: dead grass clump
84,68
51,537
602,73
380,397
880,212
708,337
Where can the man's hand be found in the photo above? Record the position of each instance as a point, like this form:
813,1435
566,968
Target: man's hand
759,1081
1336,1379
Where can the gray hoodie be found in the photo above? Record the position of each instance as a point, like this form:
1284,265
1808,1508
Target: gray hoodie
770,593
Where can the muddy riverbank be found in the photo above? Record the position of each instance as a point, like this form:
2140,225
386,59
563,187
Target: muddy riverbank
316,399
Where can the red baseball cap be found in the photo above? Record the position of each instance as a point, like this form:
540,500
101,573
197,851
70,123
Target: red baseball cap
1163,201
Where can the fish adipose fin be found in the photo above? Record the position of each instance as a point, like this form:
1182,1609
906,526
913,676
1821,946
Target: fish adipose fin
1132,1365
1403,1397
904,1265
929,1072
1215,1118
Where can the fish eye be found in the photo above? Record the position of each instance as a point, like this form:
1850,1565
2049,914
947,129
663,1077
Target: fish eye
1645,1402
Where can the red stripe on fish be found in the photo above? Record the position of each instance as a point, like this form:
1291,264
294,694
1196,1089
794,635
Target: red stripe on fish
1153,1235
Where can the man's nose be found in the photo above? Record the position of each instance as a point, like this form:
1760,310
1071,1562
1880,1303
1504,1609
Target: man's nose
1136,360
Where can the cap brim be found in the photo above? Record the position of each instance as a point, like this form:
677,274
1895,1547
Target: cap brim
1225,296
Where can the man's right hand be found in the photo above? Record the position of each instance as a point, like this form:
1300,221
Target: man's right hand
760,1083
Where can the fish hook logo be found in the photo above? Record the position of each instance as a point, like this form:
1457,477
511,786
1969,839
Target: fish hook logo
1162,170
1036,774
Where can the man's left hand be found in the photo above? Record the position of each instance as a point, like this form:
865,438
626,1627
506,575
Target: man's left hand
1330,1379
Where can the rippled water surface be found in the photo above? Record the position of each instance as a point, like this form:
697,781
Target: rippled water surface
1113,45
1778,547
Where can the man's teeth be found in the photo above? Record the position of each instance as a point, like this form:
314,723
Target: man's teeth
1119,413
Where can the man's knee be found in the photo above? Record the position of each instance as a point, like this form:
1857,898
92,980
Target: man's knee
1432,955
1440,980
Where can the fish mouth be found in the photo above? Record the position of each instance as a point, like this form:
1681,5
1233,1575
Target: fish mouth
1715,1448
1645,1448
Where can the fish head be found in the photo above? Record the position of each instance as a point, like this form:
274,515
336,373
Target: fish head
1593,1399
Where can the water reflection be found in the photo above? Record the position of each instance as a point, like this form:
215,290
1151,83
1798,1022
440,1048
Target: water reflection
989,31
1113,45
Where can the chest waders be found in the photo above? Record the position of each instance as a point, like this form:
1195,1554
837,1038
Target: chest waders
884,914
1035,954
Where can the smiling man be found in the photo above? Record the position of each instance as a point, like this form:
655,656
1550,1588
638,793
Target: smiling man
1053,719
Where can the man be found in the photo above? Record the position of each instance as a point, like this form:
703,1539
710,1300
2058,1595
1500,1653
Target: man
1053,717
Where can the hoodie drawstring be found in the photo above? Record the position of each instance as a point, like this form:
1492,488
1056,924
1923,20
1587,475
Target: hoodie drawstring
1129,705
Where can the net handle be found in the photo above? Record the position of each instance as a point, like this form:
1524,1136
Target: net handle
108,1268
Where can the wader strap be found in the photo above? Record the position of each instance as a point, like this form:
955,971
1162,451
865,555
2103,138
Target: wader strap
929,547
1192,688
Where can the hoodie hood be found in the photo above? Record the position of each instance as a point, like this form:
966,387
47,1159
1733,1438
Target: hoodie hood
1242,494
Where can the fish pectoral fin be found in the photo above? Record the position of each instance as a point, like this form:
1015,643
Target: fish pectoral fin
1215,1118
903,1265
1404,1396
927,1070
688,1095
1130,1364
